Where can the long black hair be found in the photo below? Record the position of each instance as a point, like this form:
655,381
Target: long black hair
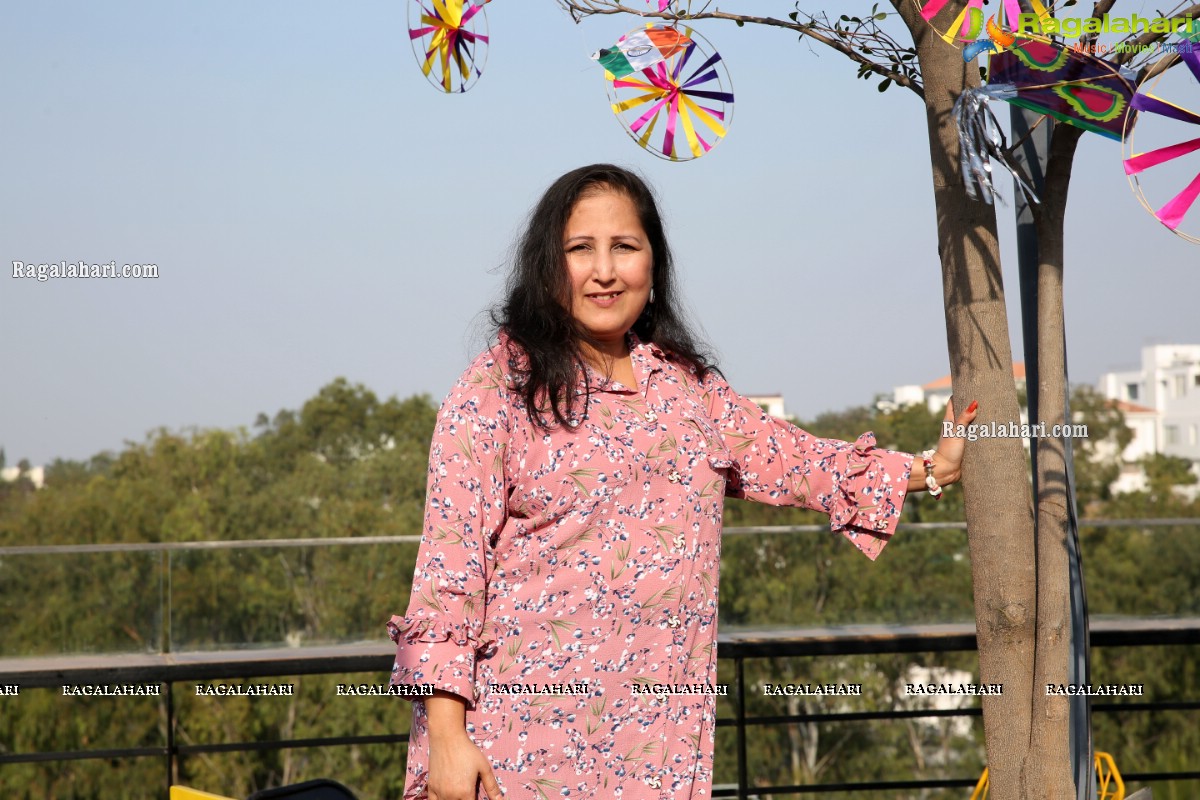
535,313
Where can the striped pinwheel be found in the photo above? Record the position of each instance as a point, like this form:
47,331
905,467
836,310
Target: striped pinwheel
1159,124
449,39
669,79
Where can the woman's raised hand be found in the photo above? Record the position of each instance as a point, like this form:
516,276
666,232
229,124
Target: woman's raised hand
947,460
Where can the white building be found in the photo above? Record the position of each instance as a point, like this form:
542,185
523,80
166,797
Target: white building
935,394
1168,383
770,403
36,475
1143,421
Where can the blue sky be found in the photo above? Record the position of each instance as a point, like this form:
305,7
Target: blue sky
317,210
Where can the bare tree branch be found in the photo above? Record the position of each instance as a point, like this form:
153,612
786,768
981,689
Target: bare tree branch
850,42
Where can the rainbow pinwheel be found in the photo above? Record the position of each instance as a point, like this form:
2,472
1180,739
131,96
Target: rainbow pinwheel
449,39
1171,213
671,80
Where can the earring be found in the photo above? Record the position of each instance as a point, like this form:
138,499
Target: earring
651,294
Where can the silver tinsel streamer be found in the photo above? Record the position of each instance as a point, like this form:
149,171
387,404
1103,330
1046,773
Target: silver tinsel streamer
981,141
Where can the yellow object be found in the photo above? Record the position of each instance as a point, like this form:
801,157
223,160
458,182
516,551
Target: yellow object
959,22
1106,774
1039,9
184,793
1108,780
656,93
441,45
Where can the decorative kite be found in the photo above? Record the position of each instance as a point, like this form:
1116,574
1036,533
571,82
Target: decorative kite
1174,210
449,39
671,80
1046,78
641,50
1071,86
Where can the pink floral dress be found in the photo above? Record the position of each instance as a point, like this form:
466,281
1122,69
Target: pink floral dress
567,581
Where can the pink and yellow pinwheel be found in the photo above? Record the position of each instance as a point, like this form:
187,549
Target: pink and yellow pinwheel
449,39
1166,118
670,80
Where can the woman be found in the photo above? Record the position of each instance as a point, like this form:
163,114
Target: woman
572,530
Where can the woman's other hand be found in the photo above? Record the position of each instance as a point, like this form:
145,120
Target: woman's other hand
456,764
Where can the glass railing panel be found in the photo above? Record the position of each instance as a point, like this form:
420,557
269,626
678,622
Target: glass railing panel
284,596
1149,568
227,595
809,579
72,601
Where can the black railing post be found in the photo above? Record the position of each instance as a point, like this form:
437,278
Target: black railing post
170,735
743,780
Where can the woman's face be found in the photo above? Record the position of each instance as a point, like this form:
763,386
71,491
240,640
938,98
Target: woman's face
609,263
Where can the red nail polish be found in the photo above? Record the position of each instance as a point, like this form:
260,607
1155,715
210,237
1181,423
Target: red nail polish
974,405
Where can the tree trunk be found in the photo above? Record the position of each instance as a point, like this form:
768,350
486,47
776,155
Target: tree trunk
999,507
1047,772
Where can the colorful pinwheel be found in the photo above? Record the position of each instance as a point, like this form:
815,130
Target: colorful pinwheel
670,79
1144,102
449,39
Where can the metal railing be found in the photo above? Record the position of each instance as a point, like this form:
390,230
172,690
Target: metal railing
173,669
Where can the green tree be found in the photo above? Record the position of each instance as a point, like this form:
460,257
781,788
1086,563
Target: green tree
1098,455
347,464
1164,473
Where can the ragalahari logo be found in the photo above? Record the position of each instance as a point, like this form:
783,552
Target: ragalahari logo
1074,27
970,25
977,36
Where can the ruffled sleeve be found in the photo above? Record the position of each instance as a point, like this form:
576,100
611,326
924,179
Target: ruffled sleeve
441,633
860,486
